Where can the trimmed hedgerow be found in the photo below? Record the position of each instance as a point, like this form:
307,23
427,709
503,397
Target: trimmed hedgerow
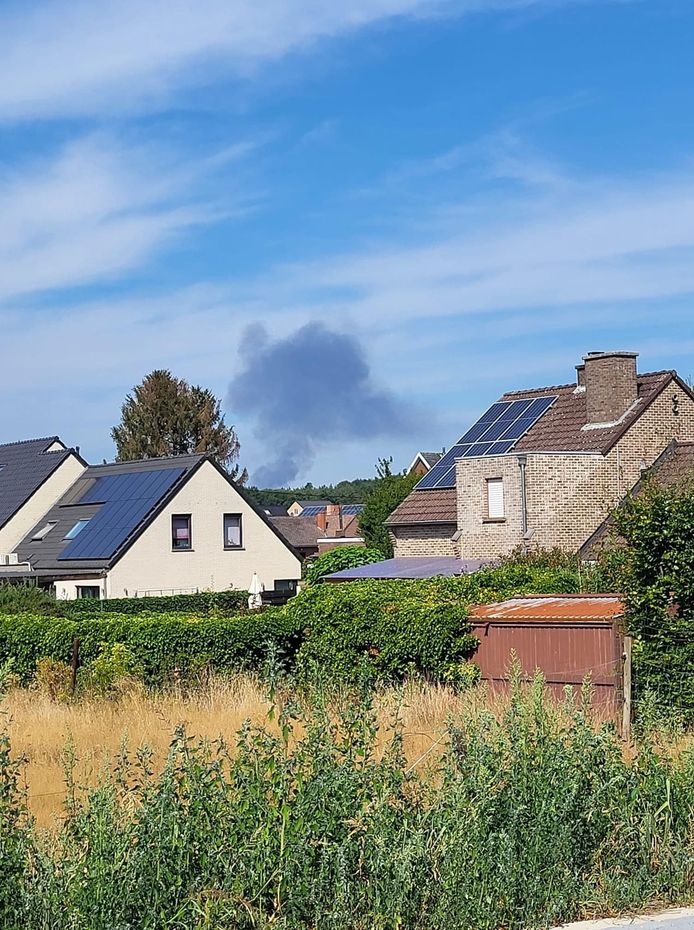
159,643
204,603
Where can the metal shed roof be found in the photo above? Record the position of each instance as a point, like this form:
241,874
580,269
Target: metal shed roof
553,607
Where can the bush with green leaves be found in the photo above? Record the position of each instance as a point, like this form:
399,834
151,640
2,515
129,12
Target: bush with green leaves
526,820
27,598
657,570
340,558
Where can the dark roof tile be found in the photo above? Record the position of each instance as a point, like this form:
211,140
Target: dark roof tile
24,466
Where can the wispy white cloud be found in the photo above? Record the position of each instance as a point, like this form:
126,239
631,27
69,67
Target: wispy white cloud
97,208
70,57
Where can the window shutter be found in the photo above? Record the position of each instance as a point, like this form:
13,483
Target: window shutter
495,498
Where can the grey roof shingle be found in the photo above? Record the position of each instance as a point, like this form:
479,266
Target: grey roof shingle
24,466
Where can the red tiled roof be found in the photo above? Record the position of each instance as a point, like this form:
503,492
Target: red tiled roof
437,506
560,429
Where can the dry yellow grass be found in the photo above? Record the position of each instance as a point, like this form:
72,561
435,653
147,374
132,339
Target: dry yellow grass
40,727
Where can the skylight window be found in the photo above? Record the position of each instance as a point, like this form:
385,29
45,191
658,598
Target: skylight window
43,532
76,529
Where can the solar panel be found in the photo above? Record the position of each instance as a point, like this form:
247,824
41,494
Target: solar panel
125,500
495,433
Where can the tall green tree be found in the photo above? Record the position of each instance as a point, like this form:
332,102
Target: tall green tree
165,415
390,491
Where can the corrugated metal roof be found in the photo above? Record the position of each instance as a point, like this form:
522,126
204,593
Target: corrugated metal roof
569,607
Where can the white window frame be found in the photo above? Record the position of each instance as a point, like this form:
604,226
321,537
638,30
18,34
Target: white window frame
496,504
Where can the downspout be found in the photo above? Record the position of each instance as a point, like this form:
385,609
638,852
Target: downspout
522,462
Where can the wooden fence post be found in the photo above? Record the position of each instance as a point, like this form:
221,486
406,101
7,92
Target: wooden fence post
626,706
75,663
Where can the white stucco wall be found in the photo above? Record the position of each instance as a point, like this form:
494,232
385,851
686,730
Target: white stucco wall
151,564
39,504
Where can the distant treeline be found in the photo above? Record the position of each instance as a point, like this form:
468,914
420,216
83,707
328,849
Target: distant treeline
344,492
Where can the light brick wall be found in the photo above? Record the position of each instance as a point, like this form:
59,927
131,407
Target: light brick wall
432,539
568,495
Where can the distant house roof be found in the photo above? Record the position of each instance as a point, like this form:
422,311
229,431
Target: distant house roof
114,504
275,510
24,466
673,467
428,460
304,504
410,568
302,534
561,428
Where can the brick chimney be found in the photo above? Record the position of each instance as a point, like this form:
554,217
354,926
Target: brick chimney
333,514
322,520
611,385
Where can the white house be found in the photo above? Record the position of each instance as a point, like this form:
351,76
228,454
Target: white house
156,526
33,475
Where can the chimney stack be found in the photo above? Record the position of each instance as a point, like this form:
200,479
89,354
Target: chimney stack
611,385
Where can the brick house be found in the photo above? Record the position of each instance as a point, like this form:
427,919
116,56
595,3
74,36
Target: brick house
556,481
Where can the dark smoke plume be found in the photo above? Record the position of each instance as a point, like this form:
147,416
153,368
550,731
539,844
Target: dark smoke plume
306,390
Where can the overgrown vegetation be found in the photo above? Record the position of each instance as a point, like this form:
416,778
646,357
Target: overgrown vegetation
656,568
377,630
525,820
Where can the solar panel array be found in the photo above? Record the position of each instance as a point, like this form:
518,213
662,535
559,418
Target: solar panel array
495,433
125,500
349,510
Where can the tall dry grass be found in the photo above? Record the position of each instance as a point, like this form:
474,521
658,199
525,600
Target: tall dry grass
94,729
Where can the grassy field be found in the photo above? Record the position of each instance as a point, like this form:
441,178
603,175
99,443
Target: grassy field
413,808
94,729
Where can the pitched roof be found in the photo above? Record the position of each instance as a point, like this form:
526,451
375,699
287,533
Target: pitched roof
436,506
24,466
313,503
562,427
413,567
48,554
299,533
675,466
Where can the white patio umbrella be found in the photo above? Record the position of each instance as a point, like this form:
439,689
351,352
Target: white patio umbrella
255,589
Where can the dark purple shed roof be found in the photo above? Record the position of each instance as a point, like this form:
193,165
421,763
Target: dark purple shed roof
409,568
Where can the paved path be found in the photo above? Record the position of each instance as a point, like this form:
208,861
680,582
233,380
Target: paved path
680,918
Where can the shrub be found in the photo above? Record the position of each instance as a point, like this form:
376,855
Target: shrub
26,639
114,667
658,574
338,559
204,603
27,598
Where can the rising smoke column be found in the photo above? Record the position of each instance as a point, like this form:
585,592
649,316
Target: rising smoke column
308,389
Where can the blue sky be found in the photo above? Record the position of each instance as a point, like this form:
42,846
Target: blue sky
474,193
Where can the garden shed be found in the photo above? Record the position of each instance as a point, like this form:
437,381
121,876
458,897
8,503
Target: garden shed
568,637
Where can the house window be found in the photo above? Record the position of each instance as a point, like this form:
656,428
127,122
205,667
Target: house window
285,586
181,536
495,499
89,591
232,531
76,529
43,532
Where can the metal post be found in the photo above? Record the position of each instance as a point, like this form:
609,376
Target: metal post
626,705
75,663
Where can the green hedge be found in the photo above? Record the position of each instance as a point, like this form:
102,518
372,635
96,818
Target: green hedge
384,629
204,603
158,643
